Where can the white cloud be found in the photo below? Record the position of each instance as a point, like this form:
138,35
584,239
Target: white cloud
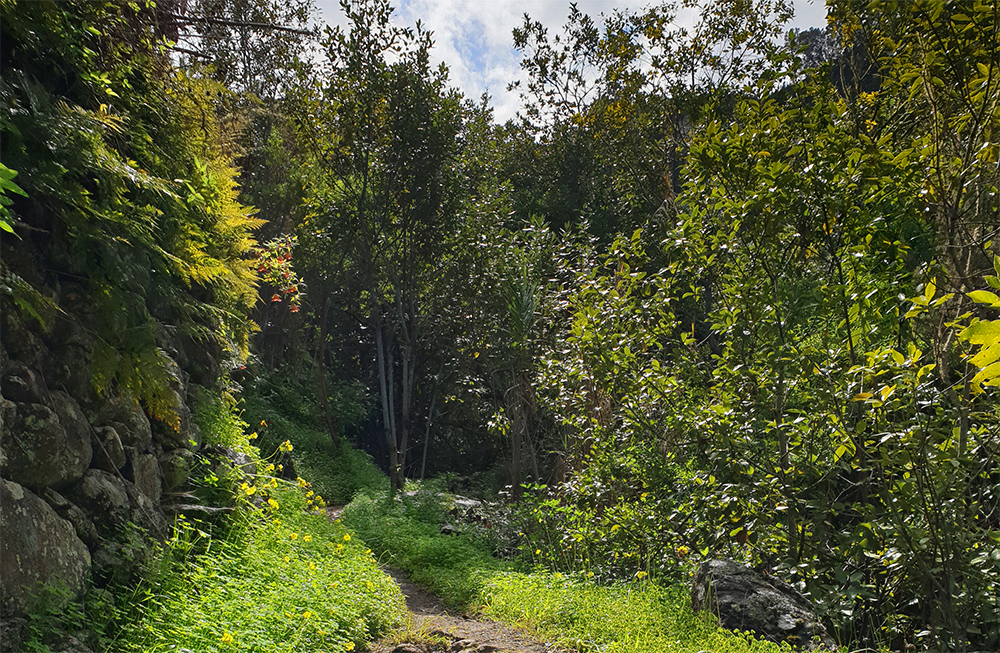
473,37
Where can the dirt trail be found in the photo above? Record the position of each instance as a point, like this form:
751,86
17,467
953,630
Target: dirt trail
435,629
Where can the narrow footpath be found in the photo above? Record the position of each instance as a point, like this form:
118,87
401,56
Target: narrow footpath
435,629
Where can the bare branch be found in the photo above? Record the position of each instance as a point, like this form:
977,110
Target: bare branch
238,23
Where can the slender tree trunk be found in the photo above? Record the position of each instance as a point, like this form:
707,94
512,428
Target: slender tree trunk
324,402
427,432
385,394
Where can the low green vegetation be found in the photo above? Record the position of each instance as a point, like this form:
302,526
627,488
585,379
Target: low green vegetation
282,407
405,533
638,616
280,580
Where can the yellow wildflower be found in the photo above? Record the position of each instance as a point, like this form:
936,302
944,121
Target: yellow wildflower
287,558
683,551
227,637
285,446
252,436
347,537
340,546
640,574
306,614
307,538
538,552
301,481
349,646
272,503
312,565
294,536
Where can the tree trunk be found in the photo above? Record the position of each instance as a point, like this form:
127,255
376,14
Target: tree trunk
324,402
386,395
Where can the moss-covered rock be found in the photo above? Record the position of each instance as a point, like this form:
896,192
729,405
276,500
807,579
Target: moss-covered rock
38,549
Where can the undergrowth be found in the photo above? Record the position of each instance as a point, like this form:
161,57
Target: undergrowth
640,616
405,533
281,408
280,580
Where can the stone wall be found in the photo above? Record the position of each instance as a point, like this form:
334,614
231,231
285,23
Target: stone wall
83,478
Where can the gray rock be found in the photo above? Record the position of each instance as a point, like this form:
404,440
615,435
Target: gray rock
149,516
176,467
22,384
13,633
109,454
70,644
118,563
146,476
408,648
72,346
82,524
129,421
103,498
749,601
38,549
8,412
47,447
223,457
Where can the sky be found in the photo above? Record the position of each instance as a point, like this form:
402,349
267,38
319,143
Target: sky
473,37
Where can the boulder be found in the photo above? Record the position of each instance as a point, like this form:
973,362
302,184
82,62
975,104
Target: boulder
22,384
184,434
103,498
129,421
70,644
8,411
176,467
72,346
750,601
38,549
82,524
223,460
146,476
109,453
47,447
13,633
121,562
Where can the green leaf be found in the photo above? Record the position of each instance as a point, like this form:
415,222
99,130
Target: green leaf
984,297
984,332
986,356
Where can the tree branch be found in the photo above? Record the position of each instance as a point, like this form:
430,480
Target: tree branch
237,23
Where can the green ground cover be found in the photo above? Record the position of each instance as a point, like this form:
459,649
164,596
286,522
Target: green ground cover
281,580
635,617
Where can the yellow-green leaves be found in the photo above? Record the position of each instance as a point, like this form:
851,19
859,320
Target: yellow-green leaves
928,300
986,334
